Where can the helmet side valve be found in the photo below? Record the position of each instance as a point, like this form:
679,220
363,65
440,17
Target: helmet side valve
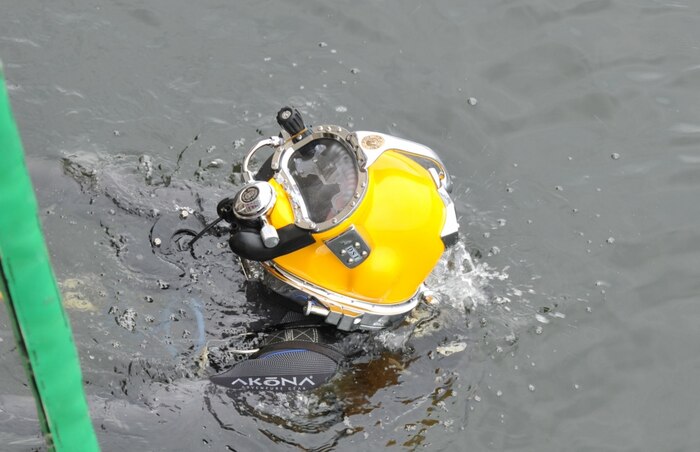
268,234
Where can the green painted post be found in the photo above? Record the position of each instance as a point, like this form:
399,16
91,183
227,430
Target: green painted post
28,289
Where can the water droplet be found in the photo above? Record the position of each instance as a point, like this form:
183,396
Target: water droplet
559,188
531,388
322,44
576,386
341,108
509,189
501,222
538,330
610,240
116,133
477,398
472,101
355,70
615,156
499,393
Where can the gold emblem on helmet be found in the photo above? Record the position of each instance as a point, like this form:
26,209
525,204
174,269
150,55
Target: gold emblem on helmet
372,142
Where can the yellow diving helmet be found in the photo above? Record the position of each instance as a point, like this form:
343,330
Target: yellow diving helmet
346,224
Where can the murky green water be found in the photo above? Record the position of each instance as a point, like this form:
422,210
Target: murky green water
574,298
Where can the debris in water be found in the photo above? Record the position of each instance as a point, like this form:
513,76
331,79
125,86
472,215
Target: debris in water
449,349
615,156
127,319
610,240
472,101
531,388
216,163
157,241
184,214
542,319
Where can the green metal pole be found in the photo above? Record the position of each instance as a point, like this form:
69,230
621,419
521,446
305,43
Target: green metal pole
28,289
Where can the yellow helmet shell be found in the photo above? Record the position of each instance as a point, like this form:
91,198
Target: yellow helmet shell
400,218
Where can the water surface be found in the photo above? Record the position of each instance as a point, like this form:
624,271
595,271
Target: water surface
571,302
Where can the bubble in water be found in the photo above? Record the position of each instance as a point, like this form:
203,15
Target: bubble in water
531,388
559,188
610,240
499,393
355,70
538,330
615,156
341,108
472,101
322,44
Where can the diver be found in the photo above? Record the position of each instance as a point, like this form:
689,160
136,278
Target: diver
344,227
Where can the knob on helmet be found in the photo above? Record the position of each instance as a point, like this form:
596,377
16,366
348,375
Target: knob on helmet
291,121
